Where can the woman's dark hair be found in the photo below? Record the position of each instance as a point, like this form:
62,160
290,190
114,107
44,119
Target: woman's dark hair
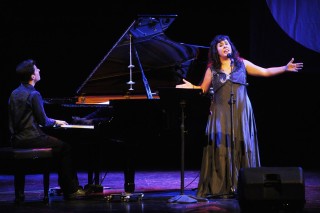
25,69
213,56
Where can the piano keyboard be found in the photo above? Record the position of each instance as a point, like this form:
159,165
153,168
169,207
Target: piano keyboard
77,126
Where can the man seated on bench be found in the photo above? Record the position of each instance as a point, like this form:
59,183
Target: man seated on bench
27,115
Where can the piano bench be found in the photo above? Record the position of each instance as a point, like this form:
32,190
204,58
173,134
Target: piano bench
20,162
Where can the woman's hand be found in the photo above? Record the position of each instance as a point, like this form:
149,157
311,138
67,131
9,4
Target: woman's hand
185,85
294,67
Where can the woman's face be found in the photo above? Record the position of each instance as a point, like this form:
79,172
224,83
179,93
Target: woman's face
223,48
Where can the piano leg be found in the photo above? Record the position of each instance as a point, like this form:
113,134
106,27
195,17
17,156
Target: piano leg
94,168
129,170
129,185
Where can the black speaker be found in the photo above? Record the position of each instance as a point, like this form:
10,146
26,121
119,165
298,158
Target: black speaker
270,189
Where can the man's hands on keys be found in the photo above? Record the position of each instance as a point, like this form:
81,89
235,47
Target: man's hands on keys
60,123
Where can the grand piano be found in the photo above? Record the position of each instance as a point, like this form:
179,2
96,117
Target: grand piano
125,88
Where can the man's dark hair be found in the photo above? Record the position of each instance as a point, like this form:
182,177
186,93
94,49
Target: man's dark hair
25,69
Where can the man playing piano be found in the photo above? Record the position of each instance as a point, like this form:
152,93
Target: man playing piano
27,115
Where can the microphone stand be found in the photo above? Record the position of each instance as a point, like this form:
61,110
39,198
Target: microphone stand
183,198
232,102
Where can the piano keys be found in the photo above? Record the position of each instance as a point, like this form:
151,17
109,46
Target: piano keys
76,126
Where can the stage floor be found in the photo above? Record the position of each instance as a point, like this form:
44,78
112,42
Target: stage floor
159,189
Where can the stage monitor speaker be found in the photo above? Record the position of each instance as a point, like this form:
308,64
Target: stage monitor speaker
271,189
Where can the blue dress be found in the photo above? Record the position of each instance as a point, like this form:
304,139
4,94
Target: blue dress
217,175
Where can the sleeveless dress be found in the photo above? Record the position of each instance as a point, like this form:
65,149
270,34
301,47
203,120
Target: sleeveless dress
217,176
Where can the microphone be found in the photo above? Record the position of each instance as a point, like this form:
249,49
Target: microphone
231,59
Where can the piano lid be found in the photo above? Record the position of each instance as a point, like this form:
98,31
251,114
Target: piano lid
156,60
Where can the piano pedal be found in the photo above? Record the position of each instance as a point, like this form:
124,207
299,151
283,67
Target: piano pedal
93,188
125,197
56,191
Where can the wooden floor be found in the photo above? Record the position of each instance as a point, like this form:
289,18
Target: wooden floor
162,192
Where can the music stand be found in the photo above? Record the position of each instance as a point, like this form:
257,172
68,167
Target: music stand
174,97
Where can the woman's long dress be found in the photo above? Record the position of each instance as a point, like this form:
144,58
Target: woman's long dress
216,169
